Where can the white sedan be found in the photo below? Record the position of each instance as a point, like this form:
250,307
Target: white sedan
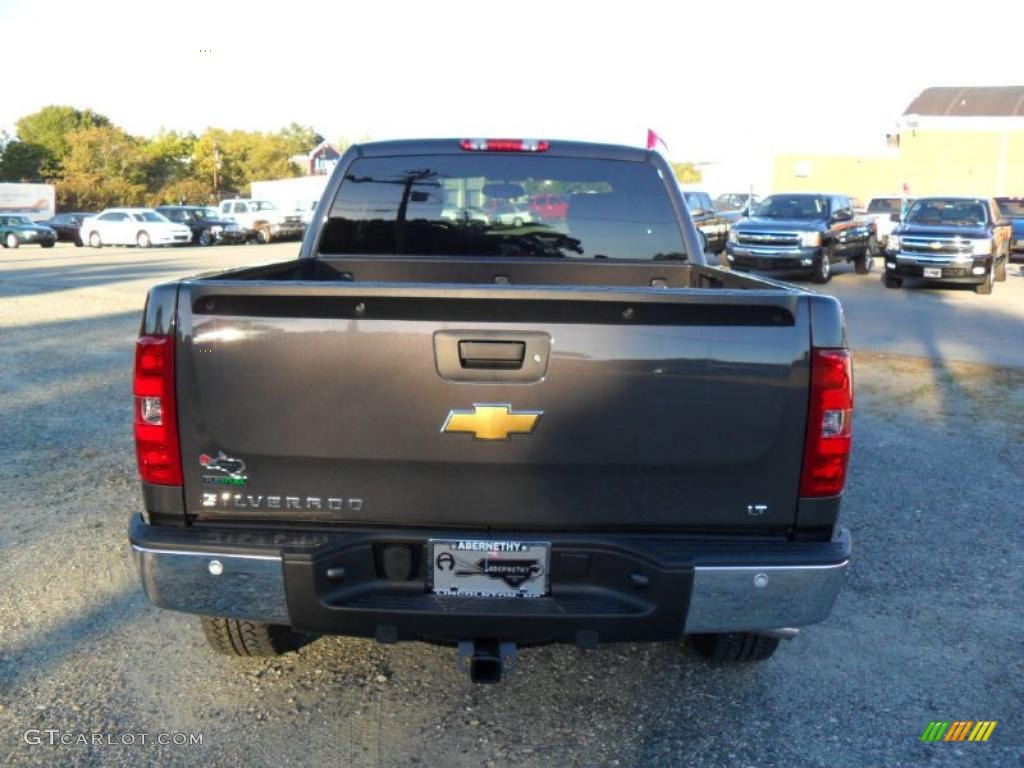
133,226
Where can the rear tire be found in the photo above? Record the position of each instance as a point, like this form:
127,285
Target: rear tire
143,240
205,238
237,637
733,647
263,235
95,241
11,241
892,282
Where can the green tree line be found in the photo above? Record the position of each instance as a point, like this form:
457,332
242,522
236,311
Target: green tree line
95,164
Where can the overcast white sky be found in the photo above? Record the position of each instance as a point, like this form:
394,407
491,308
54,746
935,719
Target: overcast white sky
717,80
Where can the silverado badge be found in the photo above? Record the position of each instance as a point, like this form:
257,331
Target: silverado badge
490,421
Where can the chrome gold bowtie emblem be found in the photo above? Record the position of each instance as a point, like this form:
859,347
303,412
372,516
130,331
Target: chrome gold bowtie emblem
488,421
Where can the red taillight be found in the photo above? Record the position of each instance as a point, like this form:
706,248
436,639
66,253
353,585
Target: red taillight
829,423
156,426
504,145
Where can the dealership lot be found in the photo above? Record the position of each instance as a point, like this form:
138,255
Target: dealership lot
929,627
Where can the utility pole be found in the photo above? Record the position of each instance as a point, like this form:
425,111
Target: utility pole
216,174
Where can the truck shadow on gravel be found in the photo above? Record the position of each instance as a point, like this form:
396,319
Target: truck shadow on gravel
65,385
72,638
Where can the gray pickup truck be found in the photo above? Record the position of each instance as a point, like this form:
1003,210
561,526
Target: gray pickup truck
488,435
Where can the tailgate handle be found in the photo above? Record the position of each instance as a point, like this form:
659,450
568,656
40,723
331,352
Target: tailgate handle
501,355
479,355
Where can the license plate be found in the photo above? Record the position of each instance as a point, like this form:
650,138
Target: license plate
932,272
490,568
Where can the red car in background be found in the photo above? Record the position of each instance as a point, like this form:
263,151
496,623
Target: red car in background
549,207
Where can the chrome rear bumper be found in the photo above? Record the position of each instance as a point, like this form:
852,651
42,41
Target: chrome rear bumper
241,587
733,599
724,598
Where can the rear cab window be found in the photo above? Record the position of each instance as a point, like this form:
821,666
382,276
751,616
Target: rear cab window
885,205
479,205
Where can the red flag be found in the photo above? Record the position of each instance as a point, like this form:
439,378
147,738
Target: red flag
654,139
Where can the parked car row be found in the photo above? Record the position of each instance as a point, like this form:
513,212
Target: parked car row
236,221
952,239
966,240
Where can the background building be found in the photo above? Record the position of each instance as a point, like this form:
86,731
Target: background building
320,160
948,141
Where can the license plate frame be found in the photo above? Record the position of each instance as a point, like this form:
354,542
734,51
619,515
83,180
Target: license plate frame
489,568
931,272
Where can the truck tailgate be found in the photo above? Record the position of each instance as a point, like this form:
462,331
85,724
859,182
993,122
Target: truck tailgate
630,408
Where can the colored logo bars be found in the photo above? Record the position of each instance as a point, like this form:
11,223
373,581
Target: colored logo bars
958,730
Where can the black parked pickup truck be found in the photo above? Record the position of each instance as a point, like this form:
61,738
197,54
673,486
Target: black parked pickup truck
493,436
206,225
961,240
711,226
803,234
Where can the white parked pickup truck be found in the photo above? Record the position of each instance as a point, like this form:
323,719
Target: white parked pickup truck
263,220
880,210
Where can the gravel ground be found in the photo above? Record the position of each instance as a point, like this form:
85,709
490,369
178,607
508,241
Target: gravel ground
929,626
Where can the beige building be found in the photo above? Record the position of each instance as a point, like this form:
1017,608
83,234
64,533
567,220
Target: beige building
966,141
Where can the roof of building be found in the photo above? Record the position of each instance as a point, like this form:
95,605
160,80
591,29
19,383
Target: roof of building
324,146
988,101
